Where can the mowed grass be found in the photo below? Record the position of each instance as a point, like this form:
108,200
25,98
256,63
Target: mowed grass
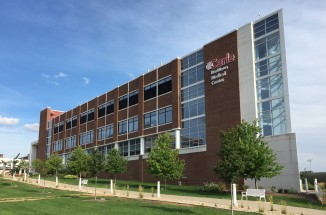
65,202
187,190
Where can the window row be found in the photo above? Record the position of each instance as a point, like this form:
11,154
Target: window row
193,108
105,132
128,100
86,116
192,75
57,145
58,127
106,149
128,126
71,122
149,142
163,116
270,87
129,148
160,87
86,137
105,109
192,59
71,142
266,26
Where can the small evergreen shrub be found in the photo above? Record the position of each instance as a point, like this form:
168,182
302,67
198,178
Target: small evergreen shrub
280,190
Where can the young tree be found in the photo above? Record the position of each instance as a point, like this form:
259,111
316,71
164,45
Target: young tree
41,168
163,161
244,154
78,163
54,164
115,163
96,164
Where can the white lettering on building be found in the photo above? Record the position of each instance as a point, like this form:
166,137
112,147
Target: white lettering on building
219,68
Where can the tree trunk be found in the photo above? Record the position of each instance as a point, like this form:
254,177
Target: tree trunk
256,183
165,184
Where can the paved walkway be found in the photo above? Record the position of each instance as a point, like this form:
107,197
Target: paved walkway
243,205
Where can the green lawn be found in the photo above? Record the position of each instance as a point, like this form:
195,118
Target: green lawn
187,190
65,202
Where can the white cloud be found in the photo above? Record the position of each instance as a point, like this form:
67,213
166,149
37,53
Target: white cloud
8,121
60,75
32,127
86,80
53,79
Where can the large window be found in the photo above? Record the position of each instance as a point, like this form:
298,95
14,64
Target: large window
101,133
57,145
272,117
87,116
270,87
192,59
123,148
61,126
192,76
193,132
123,102
122,127
150,119
133,98
266,26
109,131
105,109
149,143
165,85
165,115
133,124
86,137
193,108
150,91
268,66
192,91
71,142
56,128
134,146
267,46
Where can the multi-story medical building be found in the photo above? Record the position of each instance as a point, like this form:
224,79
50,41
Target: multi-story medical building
239,76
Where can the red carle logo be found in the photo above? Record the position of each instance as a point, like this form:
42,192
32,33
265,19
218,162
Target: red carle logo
220,62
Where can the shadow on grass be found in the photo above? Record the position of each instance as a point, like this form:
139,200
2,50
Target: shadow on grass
162,209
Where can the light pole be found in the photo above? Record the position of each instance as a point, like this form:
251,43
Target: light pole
309,160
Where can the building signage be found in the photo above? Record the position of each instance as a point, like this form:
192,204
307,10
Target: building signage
219,68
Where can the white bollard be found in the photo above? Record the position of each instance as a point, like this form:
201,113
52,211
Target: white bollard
158,189
56,181
39,179
234,195
316,185
79,185
306,184
300,185
25,176
111,186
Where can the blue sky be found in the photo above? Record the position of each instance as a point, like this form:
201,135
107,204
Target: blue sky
63,53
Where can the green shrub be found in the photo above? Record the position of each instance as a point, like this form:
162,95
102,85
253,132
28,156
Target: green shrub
70,177
280,190
213,187
273,189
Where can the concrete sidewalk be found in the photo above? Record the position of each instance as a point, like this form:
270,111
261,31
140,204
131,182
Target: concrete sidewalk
243,205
